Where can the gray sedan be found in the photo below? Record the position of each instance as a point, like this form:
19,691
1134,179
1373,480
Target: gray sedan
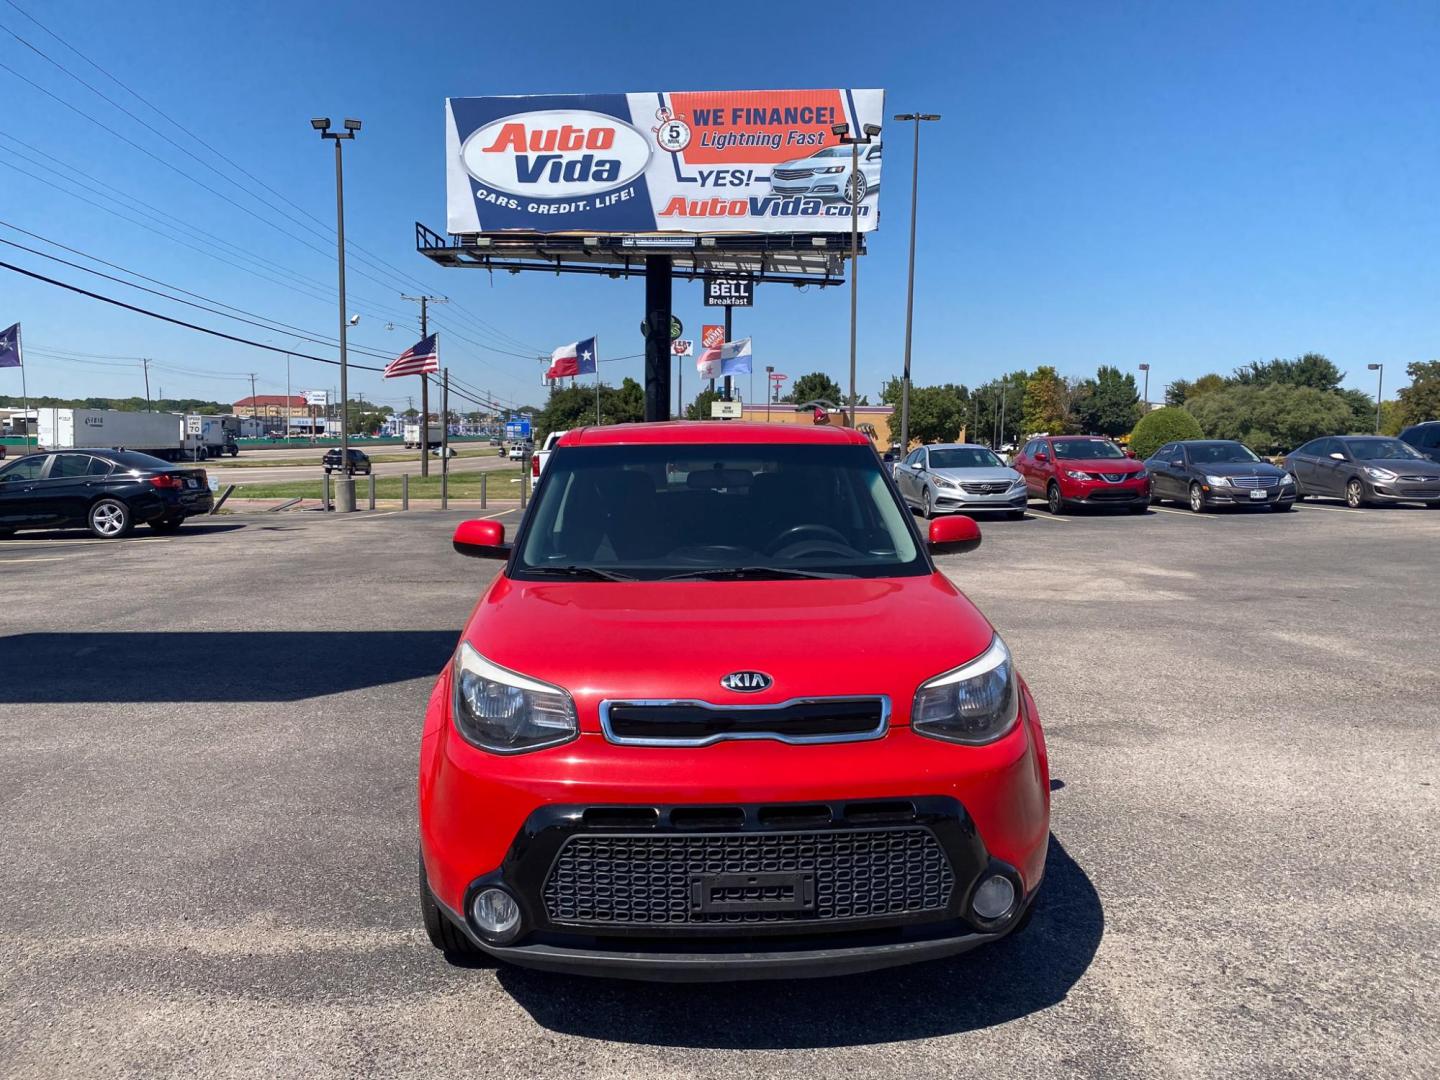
1363,469
959,476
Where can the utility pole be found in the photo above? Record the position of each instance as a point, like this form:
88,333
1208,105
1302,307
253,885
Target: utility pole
1379,391
254,404
425,302
444,438
145,364
1146,398
910,289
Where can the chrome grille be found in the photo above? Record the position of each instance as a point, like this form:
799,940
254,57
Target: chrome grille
699,723
850,874
985,487
1114,477
1254,481
791,174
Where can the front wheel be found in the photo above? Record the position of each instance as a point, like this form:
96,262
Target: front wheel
1197,499
1054,501
928,509
110,519
1354,494
443,934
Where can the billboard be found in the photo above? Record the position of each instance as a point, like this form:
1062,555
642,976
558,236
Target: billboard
730,161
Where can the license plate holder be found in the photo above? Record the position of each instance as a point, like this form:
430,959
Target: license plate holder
1257,493
739,894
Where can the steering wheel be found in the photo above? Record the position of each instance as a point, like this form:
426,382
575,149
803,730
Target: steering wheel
792,535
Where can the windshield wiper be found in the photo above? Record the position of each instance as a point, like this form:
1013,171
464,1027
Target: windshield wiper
592,572
740,573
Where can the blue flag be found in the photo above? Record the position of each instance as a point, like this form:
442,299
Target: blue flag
10,347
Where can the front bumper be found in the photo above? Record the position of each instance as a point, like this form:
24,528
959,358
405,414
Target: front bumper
1099,493
1402,491
959,499
1229,496
487,820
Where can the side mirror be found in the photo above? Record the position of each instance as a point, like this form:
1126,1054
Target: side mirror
1041,456
481,540
1129,453
1338,456
953,536
1177,463
920,465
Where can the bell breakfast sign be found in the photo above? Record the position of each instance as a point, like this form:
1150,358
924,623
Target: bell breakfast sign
736,161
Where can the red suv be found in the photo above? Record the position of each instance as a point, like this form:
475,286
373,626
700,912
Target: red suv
719,716
1082,470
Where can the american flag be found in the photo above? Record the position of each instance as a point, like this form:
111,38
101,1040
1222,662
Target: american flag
420,359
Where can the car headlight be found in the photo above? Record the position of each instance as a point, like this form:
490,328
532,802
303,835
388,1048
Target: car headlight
1218,481
944,481
976,703
1288,480
506,713
834,169
1018,482
1076,474
1379,474
1141,475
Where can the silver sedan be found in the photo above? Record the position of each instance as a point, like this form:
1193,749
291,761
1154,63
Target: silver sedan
959,476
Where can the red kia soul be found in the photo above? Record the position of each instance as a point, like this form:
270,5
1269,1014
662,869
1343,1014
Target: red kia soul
720,717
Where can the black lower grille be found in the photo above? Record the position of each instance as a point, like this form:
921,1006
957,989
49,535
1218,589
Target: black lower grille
694,723
821,876
1113,495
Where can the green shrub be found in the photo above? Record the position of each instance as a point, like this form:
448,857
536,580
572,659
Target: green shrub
1157,428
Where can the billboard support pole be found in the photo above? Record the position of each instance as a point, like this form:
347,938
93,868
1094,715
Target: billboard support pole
729,379
658,275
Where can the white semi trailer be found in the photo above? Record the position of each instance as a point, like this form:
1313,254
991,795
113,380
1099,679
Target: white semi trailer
159,433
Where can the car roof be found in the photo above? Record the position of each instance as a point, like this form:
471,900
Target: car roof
1072,438
955,446
680,432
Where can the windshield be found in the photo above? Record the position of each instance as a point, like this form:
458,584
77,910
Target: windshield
1085,449
1220,453
965,457
1380,449
674,511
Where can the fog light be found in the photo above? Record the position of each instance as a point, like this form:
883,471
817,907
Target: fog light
496,913
994,898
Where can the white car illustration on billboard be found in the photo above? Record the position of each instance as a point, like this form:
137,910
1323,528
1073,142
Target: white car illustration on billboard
826,174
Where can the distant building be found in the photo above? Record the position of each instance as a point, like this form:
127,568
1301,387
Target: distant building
273,405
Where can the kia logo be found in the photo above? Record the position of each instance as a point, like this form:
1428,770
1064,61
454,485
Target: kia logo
747,682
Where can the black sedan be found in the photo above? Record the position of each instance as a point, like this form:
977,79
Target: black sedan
1206,473
1365,469
107,491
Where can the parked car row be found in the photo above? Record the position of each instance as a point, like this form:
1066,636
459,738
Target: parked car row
1071,471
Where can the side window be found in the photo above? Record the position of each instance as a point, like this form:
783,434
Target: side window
1428,438
24,469
67,466
1165,453
914,458
1328,447
98,467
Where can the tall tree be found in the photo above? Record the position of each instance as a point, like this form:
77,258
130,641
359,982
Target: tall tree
1047,402
699,409
937,413
1312,370
1273,418
1108,404
1420,401
816,386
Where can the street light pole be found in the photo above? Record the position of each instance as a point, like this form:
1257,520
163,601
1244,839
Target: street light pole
854,196
1379,391
910,289
345,485
1146,369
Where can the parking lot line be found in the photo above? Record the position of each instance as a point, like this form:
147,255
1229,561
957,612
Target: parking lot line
1182,513
1332,509
1045,517
35,558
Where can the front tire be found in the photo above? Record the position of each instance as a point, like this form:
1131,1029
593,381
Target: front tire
1054,501
927,507
443,934
110,519
1197,499
1354,494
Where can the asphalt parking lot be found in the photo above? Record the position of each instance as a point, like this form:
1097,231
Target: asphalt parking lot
208,782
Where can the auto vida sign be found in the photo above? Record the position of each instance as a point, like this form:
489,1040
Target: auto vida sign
748,161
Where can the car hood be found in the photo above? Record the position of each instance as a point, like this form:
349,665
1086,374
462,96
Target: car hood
809,163
1108,465
1239,468
1409,466
978,475
853,636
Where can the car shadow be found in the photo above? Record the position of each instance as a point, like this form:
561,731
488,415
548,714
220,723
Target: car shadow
204,665
140,533
1014,977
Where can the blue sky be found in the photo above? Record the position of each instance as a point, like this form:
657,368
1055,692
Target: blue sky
1193,186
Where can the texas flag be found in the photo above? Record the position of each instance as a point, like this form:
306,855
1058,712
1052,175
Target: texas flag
577,358
731,358
10,347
